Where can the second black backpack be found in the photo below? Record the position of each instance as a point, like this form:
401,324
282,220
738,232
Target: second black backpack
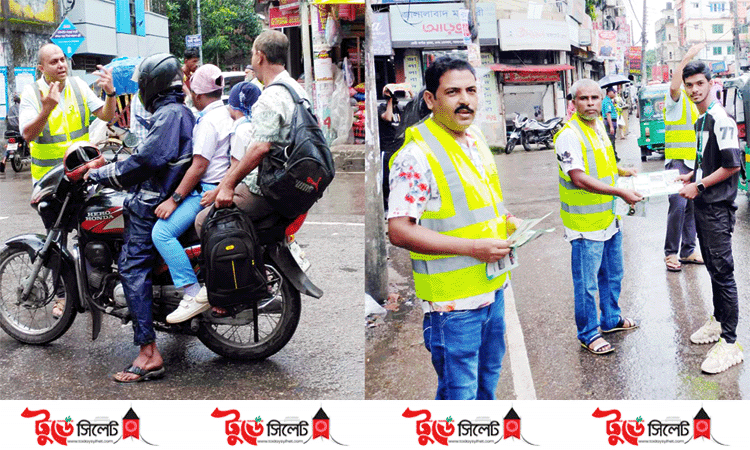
233,259
293,178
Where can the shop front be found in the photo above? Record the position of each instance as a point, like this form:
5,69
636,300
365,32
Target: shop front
421,33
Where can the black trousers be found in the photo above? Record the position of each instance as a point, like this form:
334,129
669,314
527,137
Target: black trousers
714,223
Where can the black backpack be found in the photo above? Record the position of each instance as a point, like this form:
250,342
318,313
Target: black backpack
293,178
233,259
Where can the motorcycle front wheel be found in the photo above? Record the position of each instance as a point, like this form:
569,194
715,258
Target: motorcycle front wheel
510,146
31,320
278,316
17,162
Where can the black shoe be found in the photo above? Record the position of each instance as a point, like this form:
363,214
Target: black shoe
2,167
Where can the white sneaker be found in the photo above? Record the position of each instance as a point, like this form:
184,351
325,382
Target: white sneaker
722,356
190,307
709,332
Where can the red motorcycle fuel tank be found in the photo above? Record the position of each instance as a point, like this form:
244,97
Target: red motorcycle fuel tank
102,214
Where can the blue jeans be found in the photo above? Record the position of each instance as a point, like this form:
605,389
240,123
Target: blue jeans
467,349
166,232
597,266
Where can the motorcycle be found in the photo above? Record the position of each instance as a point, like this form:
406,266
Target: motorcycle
19,153
529,131
34,267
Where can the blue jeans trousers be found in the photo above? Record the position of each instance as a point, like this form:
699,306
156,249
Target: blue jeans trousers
467,349
597,266
166,232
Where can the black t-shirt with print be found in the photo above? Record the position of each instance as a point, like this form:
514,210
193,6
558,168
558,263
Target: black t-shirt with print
391,137
717,134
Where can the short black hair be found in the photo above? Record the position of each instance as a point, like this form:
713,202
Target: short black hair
610,89
191,53
695,68
440,66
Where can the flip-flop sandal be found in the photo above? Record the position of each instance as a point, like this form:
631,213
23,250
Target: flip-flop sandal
143,374
621,325
692,259
598,349
673,264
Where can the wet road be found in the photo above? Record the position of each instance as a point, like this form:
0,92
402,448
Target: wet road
324,359
544,359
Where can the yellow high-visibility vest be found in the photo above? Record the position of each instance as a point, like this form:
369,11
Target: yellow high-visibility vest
471,207
679,135
67,123
582,210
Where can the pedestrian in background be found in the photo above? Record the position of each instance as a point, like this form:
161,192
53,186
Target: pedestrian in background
587,172
446,207
189,66
609,114
680,114
713,186
11,124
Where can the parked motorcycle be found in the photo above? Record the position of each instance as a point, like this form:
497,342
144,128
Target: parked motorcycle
529,131
34,267
19,153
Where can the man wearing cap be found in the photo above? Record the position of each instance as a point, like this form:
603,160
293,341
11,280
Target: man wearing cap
210,162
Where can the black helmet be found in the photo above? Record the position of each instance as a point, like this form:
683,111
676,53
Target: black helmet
157,73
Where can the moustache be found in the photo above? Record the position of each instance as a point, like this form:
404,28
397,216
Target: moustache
464,108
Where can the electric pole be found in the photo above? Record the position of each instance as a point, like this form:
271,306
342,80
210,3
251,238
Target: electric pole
736,40
200,33
643,46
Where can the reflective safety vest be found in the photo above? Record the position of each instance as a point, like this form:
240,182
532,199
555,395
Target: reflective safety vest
582,210
679,135
471,207
67,123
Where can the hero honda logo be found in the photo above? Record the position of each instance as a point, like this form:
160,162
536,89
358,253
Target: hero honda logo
483,430
672,431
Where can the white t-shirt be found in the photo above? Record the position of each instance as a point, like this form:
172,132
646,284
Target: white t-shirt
30,107
673,112
242,133
414,190
570,157
211,140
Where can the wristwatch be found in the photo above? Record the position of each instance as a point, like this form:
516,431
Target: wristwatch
177,198
110,95
701,187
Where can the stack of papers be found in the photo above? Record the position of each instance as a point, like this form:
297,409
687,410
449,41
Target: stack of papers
523,235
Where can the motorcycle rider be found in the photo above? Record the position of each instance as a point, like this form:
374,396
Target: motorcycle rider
152,172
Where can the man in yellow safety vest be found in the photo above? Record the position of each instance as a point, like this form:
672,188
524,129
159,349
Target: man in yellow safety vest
446,207
55,112
680,114
587,172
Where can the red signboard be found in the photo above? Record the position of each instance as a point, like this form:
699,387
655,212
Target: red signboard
283,19
532,77
635,60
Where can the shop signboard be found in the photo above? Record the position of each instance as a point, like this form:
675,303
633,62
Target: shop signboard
438,25
490,106
635,60
718,67
606,44
412,72
533,35
278,18
381,35
532,77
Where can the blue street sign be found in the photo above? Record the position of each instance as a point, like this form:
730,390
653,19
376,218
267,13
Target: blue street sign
193,40
67,37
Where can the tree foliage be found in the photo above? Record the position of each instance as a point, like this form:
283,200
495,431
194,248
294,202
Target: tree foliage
228,27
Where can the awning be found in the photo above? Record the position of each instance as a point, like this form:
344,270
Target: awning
338,2
531,68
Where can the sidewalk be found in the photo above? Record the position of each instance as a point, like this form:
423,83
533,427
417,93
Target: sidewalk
349,158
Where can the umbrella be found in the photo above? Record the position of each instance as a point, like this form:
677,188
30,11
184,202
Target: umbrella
613,80
122,72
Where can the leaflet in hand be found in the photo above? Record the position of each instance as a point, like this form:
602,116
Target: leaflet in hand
652,184
524,234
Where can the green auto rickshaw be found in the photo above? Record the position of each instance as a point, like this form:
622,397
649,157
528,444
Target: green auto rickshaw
651,116
736,100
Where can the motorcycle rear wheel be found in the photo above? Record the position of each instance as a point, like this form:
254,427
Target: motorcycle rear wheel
277,322
510,145
31,322
17,162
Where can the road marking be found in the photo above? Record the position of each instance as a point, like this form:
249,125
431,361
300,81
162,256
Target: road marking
349,224
519,358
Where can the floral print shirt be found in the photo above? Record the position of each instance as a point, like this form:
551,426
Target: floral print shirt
414,190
